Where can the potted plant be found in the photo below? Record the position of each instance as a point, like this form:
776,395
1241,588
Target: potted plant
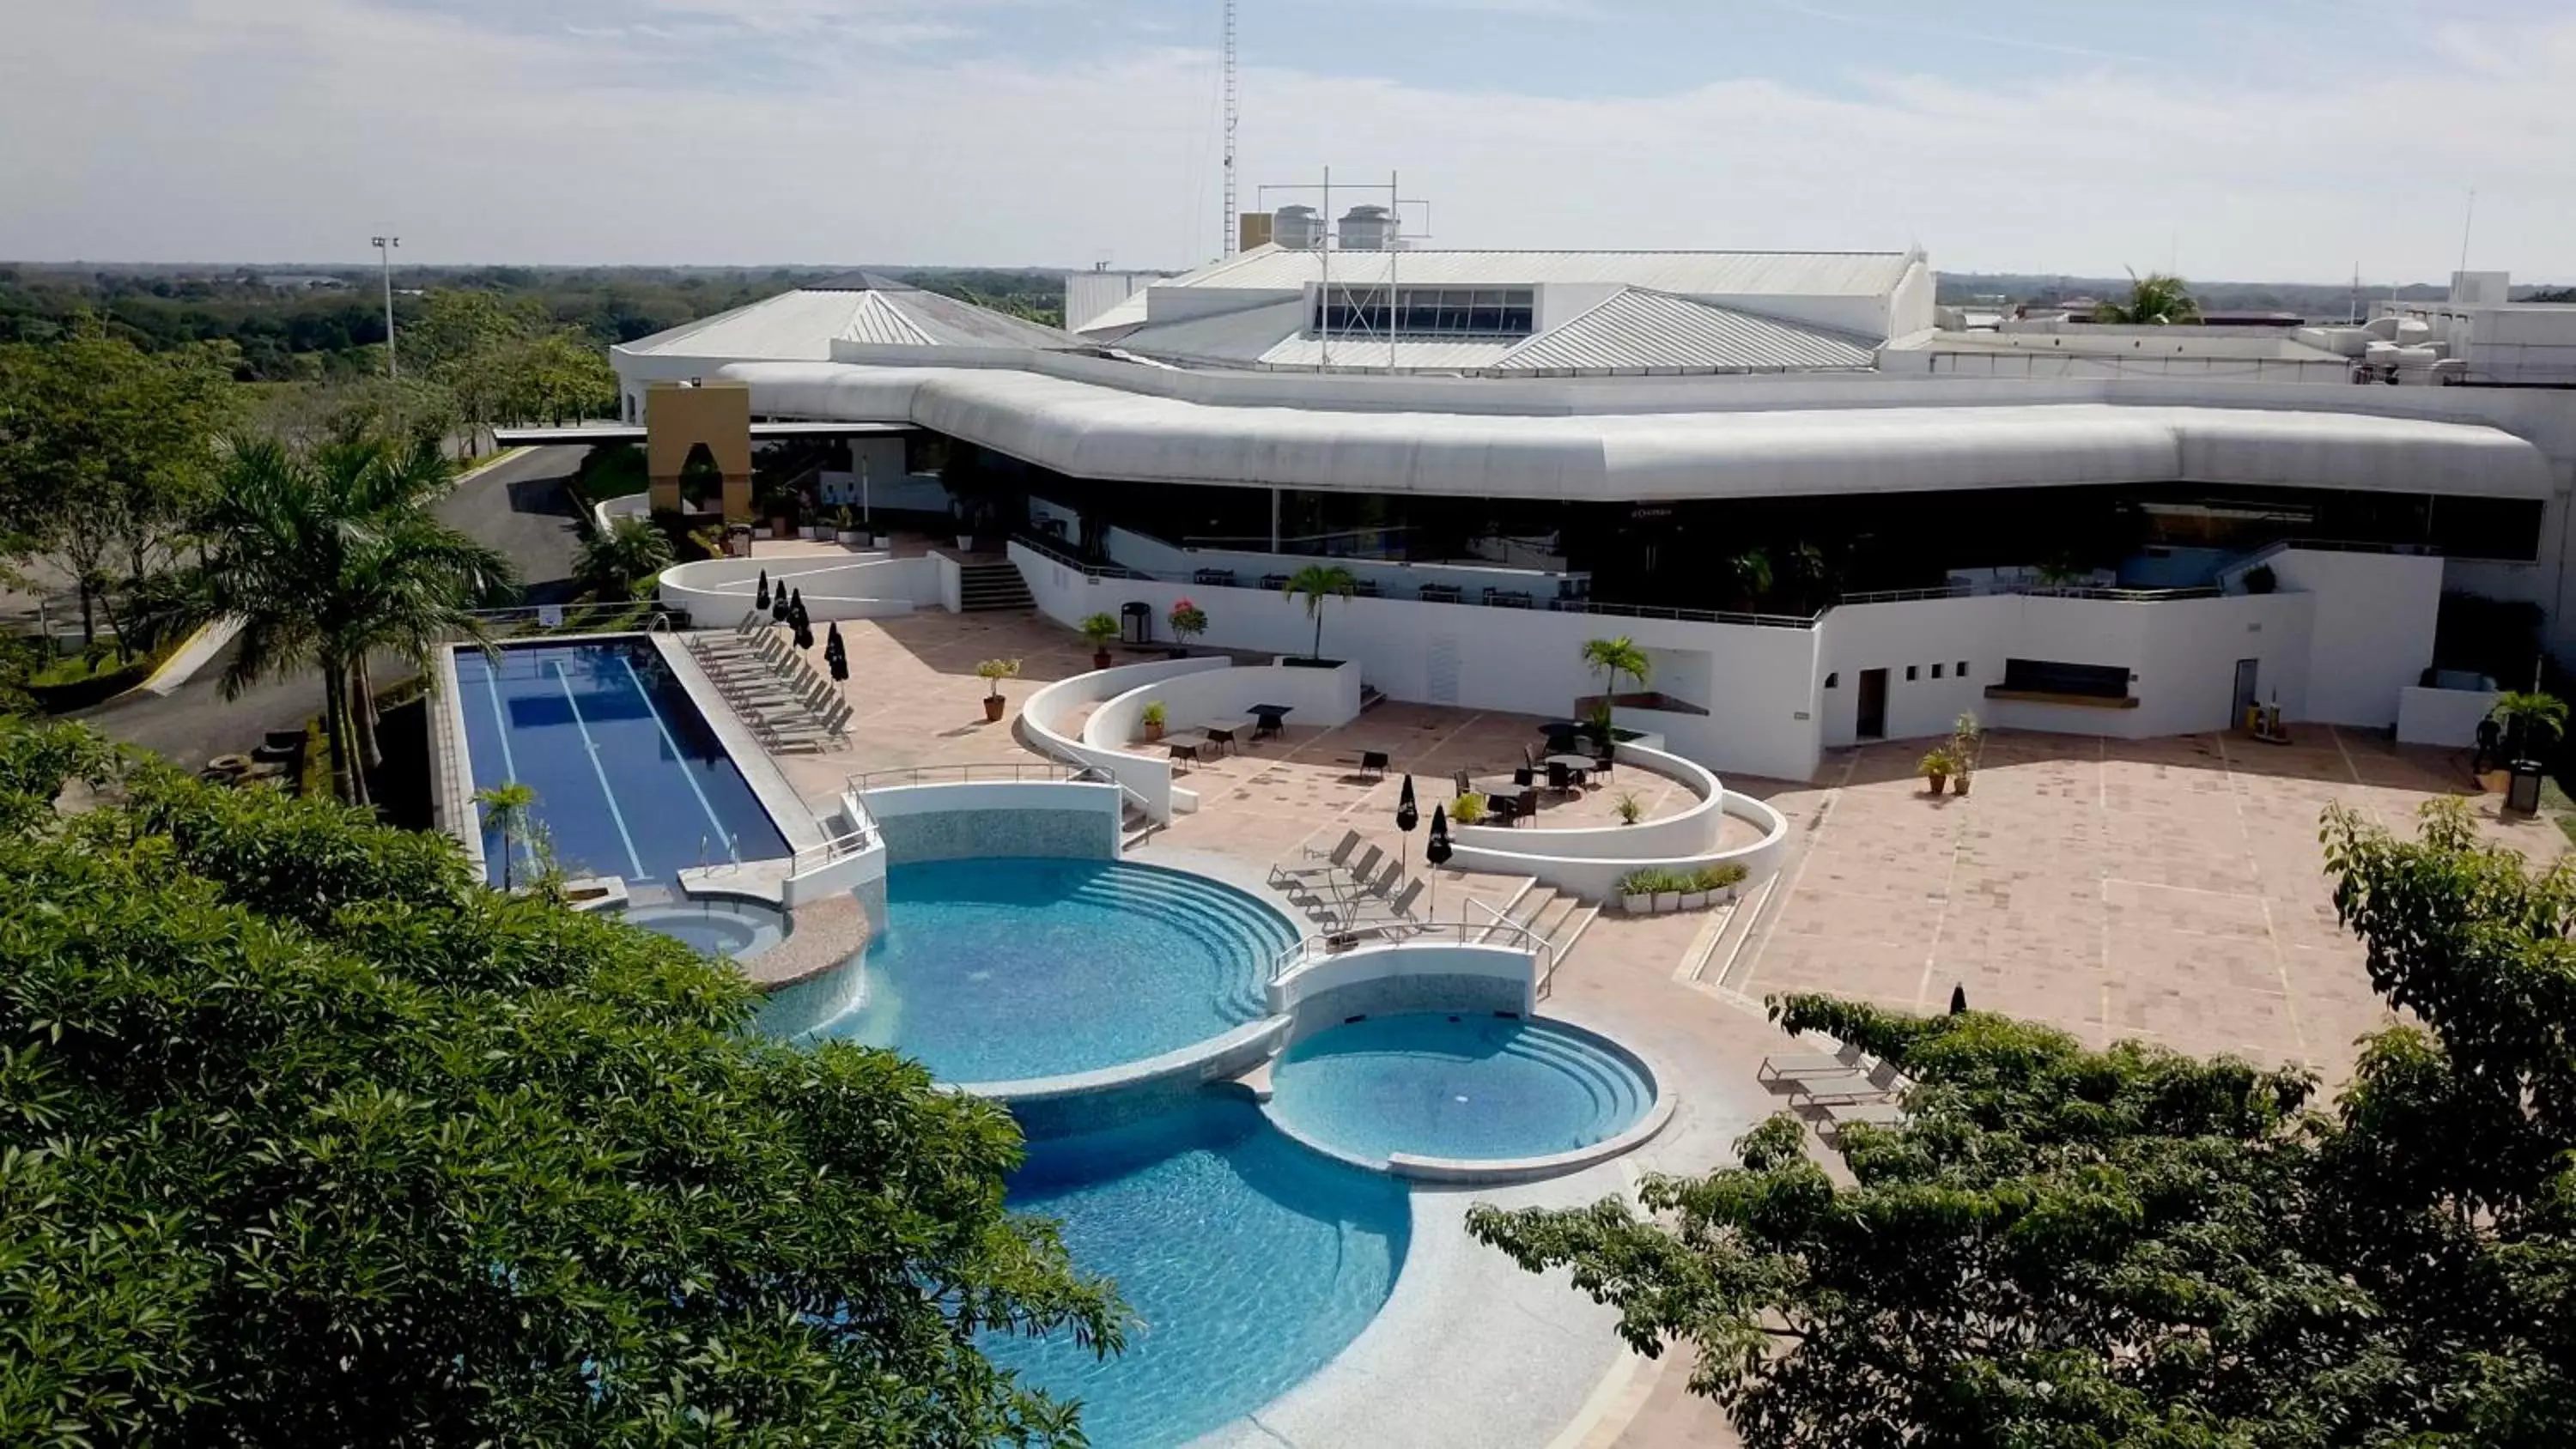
1966,736
1153,719
1635,897
1937,766
1630,809
1100,629
1668,891
1187,621
1315,583
1468,809
1613,659
1694,886
845,529
993,672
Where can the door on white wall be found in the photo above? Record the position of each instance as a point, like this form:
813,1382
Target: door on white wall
1440,671
2247,691
1871,722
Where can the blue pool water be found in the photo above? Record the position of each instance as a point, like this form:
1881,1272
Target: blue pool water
1248,1261
740,929
1013,967
629,779
1475,1087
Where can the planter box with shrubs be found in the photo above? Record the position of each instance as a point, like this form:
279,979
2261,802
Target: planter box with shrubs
1648,892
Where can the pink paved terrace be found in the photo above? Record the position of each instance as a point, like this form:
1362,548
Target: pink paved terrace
2166,890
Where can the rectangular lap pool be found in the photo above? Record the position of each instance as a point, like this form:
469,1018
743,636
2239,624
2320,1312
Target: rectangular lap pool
630,780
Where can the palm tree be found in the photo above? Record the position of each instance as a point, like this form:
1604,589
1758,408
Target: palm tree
629,553
1752,571
1316,583
325,557
505,809
2157,298
1613,659
2529,719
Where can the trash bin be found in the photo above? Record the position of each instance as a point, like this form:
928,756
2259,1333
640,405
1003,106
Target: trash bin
1137,619
2522,793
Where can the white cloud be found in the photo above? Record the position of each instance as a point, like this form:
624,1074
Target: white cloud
295,130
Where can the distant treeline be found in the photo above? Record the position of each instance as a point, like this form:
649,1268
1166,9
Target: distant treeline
316,324
2317,301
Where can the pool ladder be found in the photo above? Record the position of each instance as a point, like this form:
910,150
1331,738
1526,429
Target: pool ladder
733,851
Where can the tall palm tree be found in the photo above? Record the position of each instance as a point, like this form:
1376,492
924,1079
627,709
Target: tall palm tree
505,809
1316,583
325,557
629,553
1752,571
1614,659
2156,298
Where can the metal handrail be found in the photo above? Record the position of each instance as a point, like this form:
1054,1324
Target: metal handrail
2116,595
839,847
1335,943
1686,616
968,773
1547,948
1904,596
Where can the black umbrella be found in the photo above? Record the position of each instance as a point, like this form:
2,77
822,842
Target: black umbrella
1406,816
761,599
778,605
833,648
1958,1001
1436,850
804,628
837,658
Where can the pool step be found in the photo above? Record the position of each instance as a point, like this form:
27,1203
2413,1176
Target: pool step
1235,929
985,588
1616,1093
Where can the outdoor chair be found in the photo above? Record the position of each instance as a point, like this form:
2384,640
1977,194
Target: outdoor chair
1880,1082
1466,787
1333,860
1392,911
1372,764
1843,1064
1875,1114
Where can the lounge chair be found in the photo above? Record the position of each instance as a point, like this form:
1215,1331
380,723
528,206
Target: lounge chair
1843,1064
1877,1085
1875,1114
1333,860
1307,890
1393,911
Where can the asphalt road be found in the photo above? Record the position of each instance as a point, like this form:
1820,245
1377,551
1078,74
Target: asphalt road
520,507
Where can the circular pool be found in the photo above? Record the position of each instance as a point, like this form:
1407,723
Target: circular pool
1467,1087
1249,1263
716,926
1017,967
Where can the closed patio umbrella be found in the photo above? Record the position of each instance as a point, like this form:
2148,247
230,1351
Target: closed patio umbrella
1959,1000
761,600
1435,849
1406,815
836,657
778,605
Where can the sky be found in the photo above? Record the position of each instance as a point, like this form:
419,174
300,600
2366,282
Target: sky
2285,140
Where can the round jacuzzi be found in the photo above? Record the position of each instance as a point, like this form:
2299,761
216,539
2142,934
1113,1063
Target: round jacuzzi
716,926
1458,1086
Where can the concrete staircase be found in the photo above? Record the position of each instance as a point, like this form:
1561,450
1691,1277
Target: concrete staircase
988,587
1546,912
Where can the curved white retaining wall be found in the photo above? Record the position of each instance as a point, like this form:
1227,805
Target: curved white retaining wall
718,590
1042,727
1323,975
1597,878
1689,833
1314,697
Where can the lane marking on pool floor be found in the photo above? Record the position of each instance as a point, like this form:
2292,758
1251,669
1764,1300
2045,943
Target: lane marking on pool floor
591,747
509,760
732,848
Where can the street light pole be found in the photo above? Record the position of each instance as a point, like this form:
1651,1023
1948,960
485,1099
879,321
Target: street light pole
385,248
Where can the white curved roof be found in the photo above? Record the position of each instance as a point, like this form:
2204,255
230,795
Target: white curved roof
1090,429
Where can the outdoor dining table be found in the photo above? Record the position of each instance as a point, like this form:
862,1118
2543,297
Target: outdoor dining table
1185,746
1560,735
1223,732
1562,768
1269,718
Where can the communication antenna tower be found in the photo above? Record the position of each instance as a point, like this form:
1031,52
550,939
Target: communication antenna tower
1233,110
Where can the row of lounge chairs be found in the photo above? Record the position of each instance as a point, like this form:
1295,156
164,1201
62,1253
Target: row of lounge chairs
1844,1086
1371,892
766,680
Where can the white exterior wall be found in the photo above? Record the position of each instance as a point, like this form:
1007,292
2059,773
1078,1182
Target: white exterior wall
1524,661
2374,629
1153,556
2445,717
717,591
1326,697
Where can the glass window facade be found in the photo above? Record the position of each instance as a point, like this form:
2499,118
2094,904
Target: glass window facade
1428,311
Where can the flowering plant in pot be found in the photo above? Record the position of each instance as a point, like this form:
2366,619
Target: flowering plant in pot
1100,629
1153,718
993,672
1187,621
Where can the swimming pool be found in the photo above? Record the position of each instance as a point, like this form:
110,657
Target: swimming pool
1008,968
1476,1087
630,780
1248,1261
716,927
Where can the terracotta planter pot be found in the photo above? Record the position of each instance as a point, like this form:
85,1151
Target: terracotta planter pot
994,704
1959,786
1153,732
1099,658
1936,782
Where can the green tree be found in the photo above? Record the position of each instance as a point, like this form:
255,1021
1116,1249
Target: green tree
1613,660
632,552
506,809
1751,572
326,557
1315,583
104,450
307,1138
2130,1247
2155,298
2530,721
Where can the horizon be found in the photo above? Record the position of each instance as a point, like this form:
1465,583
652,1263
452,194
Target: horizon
2286,138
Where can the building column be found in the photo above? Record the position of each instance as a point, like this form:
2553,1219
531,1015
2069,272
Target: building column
1274,520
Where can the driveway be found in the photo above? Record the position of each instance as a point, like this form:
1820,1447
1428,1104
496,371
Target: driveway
519,506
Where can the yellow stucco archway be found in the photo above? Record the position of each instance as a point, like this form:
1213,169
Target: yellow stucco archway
677,418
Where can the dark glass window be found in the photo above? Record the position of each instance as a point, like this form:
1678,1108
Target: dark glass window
2049,676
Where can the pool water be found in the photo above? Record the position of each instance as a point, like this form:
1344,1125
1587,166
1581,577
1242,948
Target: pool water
1476,1087
629,779
739,929
1247,1260
1004,969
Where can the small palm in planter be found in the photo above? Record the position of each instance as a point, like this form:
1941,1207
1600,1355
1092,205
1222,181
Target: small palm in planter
1936,767
2530,720
1100,629
993,672
1154,719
